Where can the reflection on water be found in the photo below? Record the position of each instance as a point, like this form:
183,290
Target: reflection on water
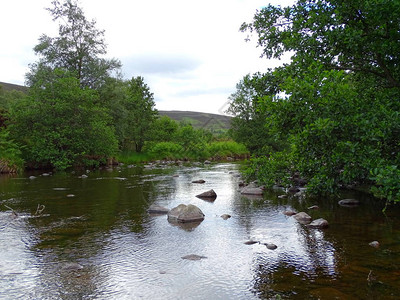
95,240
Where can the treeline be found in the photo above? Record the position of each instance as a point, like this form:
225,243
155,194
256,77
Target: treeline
79,111
332,114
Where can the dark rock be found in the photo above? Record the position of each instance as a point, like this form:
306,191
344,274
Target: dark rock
225,216
252,191
271,246
293,189
349,202
199,181
302,217
250,242
209,195
193,257
185,213
319,223
157,209
374,244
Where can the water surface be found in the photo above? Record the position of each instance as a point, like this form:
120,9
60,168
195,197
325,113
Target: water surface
95,240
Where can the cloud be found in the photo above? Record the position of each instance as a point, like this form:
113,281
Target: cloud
171,64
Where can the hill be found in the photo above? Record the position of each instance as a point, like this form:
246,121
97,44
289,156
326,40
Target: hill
213,122
13,87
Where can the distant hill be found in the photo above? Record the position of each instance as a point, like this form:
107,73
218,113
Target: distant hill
13,87
212,122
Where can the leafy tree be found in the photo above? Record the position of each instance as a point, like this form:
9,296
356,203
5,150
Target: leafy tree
359,35
339,106
248,123
140,113
78,48
61,125
164,129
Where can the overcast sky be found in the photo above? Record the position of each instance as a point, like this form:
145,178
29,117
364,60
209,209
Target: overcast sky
190,53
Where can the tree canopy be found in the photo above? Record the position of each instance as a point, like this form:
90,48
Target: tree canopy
358,35
337,101
79,48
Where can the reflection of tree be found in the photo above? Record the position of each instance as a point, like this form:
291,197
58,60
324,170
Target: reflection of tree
78,229
296,267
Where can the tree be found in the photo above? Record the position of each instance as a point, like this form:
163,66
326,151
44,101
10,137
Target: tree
78,48
140,113
339,106
61,125
249,116
359,35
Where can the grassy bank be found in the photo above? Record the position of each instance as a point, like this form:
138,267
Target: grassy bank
220,150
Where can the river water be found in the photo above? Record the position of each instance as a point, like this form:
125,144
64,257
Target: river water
67,237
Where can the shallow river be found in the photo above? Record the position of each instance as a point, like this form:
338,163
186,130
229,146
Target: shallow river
67,237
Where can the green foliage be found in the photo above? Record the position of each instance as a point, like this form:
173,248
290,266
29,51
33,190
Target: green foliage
139,113
10,154
387,180
224,149
248,123
79,48
339,105
163,129
61,125
167,150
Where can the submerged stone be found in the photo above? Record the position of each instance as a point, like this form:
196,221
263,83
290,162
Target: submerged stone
349,202
193,257
250,242
157,209
252,191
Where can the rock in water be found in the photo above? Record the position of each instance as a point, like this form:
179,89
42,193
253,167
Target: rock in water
185,213
319,223
250,242
157,209
374,244
302,217
193,257
209,195
349,202
225,216
252,191
271,246
289,212
199,181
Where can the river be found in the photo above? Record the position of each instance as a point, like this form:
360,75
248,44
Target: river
64,236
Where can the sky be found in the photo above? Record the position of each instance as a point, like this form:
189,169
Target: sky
191,54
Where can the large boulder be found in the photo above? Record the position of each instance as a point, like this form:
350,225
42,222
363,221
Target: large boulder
185,214
209,195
